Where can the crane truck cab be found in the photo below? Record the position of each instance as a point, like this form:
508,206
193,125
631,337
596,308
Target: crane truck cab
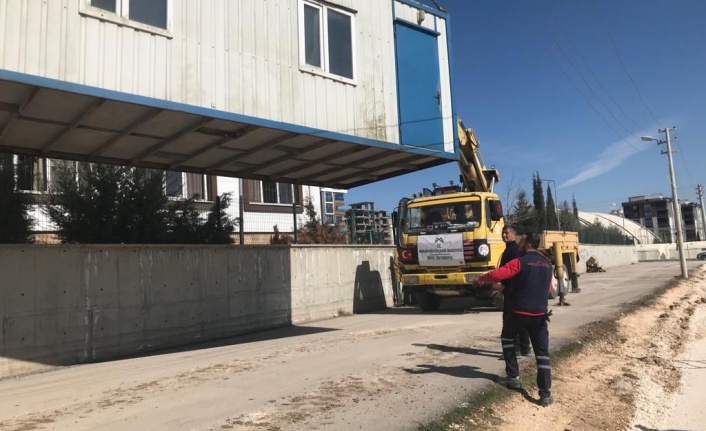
447,240
451,235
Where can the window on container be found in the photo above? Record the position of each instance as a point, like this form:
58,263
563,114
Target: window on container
109,5
312,35
150,12
340,44
328,39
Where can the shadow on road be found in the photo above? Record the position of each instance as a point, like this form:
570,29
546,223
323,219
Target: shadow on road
462,371
408,311
264,335
691,364
526,395
644,428
464,350
448,306
471,372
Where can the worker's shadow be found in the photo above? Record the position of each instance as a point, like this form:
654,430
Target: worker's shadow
467,372
644,428
464,350
691,364
462,371
526,395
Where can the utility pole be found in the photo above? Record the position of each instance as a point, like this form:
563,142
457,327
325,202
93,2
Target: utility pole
700,194
675,199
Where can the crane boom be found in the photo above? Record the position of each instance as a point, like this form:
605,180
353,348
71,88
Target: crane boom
474,174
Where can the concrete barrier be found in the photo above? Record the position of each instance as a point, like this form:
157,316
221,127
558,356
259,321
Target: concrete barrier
669,251
72,304
608,256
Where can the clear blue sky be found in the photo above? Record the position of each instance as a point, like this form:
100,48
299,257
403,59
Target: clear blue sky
566,89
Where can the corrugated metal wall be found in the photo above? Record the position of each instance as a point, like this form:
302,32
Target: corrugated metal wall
240,56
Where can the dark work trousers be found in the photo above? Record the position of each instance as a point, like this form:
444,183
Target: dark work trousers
539,335
522,340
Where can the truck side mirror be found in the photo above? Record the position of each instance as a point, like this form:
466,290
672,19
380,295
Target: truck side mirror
496,210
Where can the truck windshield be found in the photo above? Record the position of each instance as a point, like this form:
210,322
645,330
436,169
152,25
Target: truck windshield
460,216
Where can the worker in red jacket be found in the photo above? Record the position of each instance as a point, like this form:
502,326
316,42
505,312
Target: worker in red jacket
532,274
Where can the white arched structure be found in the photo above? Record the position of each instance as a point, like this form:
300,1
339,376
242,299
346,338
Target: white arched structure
641,234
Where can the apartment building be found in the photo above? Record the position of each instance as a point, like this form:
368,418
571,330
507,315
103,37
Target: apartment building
655,212
366,225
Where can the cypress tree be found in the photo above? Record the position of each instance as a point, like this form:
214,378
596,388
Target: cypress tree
552,220
540,208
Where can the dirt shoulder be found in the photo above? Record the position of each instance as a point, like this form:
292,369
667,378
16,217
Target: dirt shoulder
622,374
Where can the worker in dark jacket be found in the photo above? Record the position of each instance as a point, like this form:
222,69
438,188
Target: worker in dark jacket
527,308
512,251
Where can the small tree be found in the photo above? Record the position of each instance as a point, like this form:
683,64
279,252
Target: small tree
509,194
314,232
105,204
184,223
279,238
219,226
566,216
15,221
523,216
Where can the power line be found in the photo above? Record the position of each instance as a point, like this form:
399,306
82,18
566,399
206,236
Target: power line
632,81
568,59
573,84
622,63
588,66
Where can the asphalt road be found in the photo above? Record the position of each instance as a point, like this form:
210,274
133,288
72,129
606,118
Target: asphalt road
380,371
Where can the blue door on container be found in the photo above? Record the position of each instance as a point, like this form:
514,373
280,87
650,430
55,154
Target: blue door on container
418,87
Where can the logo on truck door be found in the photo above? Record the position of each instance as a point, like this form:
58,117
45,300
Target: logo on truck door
440,250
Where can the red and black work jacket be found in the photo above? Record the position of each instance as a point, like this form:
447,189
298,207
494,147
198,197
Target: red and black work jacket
530,288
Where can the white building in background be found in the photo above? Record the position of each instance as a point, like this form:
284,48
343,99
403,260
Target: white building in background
275,200
284,94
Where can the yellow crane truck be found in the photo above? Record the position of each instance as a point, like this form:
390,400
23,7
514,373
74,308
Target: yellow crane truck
451,235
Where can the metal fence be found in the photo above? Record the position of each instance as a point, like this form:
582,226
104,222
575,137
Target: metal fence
283,224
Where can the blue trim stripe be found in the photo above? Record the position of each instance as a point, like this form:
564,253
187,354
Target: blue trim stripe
102,93
422,6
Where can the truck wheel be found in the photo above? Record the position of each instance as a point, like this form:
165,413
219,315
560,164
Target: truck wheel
554,291
499,301
428,301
